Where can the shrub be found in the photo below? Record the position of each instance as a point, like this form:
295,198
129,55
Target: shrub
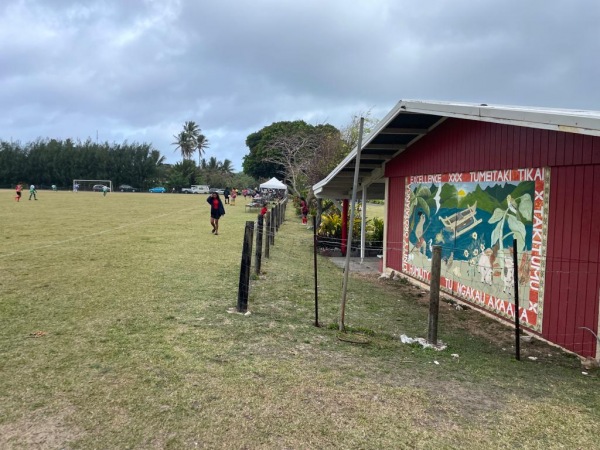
376,236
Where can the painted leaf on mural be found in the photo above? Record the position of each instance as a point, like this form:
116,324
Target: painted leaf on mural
526,206
498,214
423,204
497,233
518,230
423,191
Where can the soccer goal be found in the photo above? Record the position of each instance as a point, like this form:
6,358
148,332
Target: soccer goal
91,185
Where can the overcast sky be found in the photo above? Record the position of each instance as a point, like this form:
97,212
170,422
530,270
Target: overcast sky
137,70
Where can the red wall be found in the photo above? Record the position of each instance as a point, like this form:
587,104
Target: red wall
573,242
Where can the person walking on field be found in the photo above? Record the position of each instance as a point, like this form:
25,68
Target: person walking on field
226,193
18,190
32,192
304,210
216,211
233,196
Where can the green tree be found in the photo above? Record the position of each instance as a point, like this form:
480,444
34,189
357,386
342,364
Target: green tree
259,163
182,174
227,166
288,150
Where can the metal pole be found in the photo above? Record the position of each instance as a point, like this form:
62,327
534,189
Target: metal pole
315,245
363,224
344,247
516,283
347,263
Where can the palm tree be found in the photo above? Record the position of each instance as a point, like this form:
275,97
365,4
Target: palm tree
157,158
213,164
227,166
201,144
190,139
182,141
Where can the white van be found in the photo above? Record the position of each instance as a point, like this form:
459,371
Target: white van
200,188
196,189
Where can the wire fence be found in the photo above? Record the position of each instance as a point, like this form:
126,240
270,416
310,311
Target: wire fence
478,266
266,228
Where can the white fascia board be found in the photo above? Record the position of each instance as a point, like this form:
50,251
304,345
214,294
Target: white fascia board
572,121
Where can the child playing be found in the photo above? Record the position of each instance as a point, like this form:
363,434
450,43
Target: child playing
32,192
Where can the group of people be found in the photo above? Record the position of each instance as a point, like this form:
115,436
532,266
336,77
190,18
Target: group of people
19,190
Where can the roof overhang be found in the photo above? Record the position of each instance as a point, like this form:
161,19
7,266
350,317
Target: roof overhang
410,120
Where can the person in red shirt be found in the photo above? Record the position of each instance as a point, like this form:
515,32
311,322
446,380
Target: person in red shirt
18,190
304,210
216,211
263,211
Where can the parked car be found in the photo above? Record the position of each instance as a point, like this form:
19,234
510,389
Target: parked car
127,188
157,190
218,191
196,189
100,188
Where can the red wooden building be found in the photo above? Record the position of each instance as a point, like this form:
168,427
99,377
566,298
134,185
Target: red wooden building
471,178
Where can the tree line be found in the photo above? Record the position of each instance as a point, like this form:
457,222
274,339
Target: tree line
45,162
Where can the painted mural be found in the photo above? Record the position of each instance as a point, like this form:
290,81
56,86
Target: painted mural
474,217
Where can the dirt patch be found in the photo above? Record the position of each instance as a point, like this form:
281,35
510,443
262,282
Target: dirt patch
500,335
41,430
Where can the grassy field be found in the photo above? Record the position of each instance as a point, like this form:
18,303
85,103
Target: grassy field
115,333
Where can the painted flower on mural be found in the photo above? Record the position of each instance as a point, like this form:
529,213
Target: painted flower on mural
466,253
475,252
474,235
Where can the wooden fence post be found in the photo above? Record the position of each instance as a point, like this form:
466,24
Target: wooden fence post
259,239
244,285
434,294
268,233
272,231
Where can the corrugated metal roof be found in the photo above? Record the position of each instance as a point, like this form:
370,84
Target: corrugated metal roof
410,120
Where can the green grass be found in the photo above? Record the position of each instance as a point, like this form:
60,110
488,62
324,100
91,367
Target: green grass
115,333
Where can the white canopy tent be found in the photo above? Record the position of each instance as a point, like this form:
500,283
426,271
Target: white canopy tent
273,183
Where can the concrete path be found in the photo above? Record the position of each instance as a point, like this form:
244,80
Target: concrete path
369,265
